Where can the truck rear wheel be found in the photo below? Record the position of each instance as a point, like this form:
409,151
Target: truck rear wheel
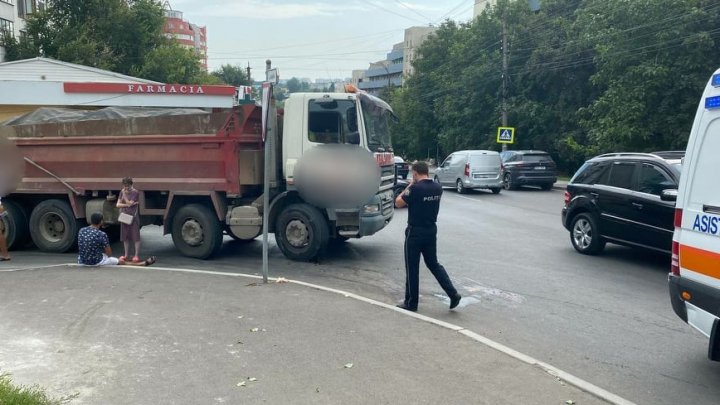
53,226
197,232
14,225
301,232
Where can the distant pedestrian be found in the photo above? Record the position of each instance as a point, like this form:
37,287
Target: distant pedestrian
422,197
4,254
94,247
130,233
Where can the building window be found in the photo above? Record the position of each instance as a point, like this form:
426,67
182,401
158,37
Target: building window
28,7
7,26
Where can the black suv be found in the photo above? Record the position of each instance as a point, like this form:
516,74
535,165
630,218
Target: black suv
528,167
623,198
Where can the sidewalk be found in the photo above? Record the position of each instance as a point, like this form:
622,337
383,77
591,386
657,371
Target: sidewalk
147,336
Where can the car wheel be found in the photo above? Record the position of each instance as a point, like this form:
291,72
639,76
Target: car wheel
460,188
546,186
508,183
495,190
585,235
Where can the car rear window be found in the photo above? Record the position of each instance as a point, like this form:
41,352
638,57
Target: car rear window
485,160
537,158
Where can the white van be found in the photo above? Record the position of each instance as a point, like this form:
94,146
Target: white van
469,169
694,279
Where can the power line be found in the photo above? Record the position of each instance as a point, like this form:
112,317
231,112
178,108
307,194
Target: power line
413,10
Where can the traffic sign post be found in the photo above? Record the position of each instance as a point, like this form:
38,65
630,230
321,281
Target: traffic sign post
506,135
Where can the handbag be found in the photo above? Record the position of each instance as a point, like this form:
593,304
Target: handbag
126,219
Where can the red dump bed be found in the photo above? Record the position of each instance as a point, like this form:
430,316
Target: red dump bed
225,160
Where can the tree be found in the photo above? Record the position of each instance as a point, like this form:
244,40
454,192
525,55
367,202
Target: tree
585,77
293,85
232,75
124,36
184,68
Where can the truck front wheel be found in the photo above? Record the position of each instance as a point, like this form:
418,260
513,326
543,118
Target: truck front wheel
302,232
53,226
197,232
14,225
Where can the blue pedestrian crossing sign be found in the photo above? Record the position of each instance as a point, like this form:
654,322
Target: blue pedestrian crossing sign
506,135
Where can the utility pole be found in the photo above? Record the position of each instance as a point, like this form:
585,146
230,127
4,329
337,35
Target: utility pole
504,78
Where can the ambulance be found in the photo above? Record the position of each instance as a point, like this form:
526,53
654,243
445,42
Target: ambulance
694,279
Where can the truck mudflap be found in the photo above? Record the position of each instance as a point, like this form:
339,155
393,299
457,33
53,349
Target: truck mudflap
698,305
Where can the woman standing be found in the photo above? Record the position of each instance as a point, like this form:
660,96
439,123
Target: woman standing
128,204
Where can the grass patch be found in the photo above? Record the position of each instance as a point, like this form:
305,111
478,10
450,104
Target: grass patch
11,394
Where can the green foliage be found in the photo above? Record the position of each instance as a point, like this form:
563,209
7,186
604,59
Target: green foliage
232,75
14,395
584,77
294,85
124,36
183,69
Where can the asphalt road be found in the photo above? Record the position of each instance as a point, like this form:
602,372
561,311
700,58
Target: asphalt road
606,319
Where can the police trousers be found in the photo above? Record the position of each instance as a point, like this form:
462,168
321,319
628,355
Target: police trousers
423,241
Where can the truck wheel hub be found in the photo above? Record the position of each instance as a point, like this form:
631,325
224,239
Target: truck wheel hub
297,233
53,227
192,232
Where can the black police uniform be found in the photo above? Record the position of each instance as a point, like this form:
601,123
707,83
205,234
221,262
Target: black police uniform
423,200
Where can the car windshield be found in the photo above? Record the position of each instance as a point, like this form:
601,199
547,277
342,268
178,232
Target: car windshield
377,115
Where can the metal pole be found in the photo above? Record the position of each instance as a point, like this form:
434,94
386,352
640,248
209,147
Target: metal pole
504,78
266,185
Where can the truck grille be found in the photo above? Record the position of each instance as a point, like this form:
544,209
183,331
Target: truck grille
387,203
387,178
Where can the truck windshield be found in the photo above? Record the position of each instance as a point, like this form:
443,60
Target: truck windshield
377,115
333,121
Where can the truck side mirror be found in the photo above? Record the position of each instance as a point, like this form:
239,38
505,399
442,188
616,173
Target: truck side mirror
669,195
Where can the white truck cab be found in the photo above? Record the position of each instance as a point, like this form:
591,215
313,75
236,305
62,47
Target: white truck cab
694,280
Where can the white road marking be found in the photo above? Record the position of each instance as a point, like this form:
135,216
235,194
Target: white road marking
548,368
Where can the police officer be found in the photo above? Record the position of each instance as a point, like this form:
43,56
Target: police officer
422,197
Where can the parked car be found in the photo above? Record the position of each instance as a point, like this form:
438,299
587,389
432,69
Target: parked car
400,186
402,168
528,168
471,169
617,198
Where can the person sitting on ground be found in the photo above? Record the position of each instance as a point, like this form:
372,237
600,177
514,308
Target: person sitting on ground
94,247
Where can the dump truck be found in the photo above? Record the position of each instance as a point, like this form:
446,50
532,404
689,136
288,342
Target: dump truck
200,173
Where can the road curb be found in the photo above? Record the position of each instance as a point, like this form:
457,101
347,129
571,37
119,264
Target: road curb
547,368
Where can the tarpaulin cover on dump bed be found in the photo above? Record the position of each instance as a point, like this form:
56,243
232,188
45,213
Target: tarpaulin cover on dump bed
112,121
49,114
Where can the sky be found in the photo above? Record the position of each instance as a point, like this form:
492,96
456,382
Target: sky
315,39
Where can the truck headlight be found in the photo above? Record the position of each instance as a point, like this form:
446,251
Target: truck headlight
371,209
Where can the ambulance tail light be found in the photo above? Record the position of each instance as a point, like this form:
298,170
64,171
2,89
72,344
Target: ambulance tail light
678,217
467,169
675,259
